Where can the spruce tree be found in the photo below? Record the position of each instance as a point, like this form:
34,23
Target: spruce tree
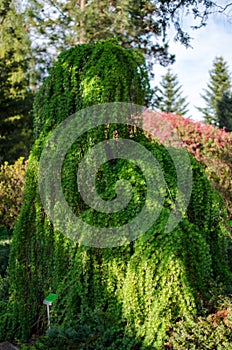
219,85
224,108
168,97
15,96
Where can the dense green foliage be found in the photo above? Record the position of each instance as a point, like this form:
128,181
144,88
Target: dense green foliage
224,107
210,331
168,96
134,293
135,24
11,188
100,78
5,236
5,243
15,95
218,87
95,67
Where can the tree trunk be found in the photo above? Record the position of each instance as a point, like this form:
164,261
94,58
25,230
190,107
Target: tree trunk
82,29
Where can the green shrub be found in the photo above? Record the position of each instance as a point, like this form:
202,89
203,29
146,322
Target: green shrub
11,189
145,285
5,240
212,331
100,333
209,332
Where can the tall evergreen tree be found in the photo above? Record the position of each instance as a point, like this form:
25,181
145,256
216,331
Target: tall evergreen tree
130,296
15,96
224,108
55,25
168,97
142,24
218,87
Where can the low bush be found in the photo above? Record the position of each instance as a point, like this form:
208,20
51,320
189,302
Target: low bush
11,189
211,146
213,331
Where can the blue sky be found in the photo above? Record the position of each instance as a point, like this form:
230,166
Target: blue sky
193,64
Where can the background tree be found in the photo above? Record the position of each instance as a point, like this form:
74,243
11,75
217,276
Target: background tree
142,24
55,25
218,88
224,108
168,97
15,95
33,33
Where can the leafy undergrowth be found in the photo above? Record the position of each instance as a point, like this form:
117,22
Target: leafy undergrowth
128,295
213,331
11,189
209,331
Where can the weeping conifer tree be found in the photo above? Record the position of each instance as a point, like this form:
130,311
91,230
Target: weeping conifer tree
142,287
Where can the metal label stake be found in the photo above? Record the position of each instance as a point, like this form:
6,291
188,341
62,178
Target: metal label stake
48,301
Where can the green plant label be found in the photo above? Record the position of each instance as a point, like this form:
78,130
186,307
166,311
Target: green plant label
49,299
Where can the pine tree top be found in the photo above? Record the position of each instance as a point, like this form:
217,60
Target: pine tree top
168,96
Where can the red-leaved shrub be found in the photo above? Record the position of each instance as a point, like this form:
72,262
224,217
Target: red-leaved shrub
211,146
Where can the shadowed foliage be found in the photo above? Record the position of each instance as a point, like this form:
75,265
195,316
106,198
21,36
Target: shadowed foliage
139,290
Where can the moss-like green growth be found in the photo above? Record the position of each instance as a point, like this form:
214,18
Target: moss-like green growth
143,287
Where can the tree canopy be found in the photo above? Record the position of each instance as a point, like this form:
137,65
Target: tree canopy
15,95
143,287
141,24
34,32
216,96
224,108
168,96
